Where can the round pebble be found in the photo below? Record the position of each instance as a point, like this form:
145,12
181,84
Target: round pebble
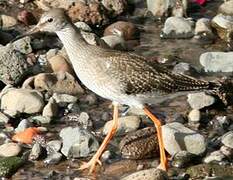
9,149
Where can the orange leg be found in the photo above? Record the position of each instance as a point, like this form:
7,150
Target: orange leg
95,159
157,123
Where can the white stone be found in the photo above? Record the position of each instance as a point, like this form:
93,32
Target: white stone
227,139
214,156
9,149
194,115
3,118
50,109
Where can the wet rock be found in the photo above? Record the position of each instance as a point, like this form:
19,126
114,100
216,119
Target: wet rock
59,63
78,142
200,100
90,12
3,118
226,8
215,156
126,124
227,151
184,68
26,17
106,156
177,27
15,101
114,41
7,21
194,116
115,7
177,137
227,139
50,109
35,152
53,146
163,7
183,159
127,29
41,119
13,65
140,144
9,149
53,158
83,26
23,45
5,37
64,98
24,124
54,83
217,61
147,174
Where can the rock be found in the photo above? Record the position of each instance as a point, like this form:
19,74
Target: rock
5,37
23,45
15,101
50,109
58,63
140,144
63,83
200,100
226,8
42,119
214,156
35,152
227,139
184,68
53,146
106,156
83,26
115,7
23,125
7,21
217,61
147,174
177,137
3,118
64,98
93,39
13,65
162,7
194,116
183,159
126,124
9,149
227,151
53,158
78,142
177,27
114,42
127,29
26,18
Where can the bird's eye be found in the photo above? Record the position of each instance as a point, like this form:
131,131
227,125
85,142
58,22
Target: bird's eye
50,20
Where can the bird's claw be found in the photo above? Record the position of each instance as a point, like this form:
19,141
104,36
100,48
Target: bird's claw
91,165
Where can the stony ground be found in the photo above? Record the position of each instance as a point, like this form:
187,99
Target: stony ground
50,123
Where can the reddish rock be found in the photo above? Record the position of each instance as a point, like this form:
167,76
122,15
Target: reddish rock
115,7
26,17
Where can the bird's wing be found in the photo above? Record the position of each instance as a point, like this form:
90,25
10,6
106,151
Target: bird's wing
139,76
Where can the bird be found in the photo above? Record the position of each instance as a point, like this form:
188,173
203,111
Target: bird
124,78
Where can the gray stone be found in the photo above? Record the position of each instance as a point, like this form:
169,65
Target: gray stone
53,146
83,26
23,45
214,156
177,27
84,121
78,142
184,68
227,151
50,109
3,118
126,124
194,116
114,41
64,98
217,61
24,124
9,149
226,8
35,152
7,21
42,119
53,158
13,65
147,174
227,139
200,100
177,137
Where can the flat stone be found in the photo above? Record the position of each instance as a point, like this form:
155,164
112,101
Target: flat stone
227,139
42,119
214,156
194,115
53,146
126,124
200,100
24,124
53,158
23,45
177,137
78,142
64,98
50,109
217,61
9,149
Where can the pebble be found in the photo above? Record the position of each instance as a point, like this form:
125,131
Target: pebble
35,152
41,119
64,98
126,124
26,18
194,116
227,139
106,155
227,151
53,146
147,174
200,100
215,156
83,26
184,68
116,7
114,41
23,45
9,149
177,137
14,101
226,8
93,39
3,118
183,159
217,61
50,109
177,27
24,124
7,21
78,142
84,121
53,158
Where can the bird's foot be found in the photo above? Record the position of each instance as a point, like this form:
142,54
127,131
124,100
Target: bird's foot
163,165
91,165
